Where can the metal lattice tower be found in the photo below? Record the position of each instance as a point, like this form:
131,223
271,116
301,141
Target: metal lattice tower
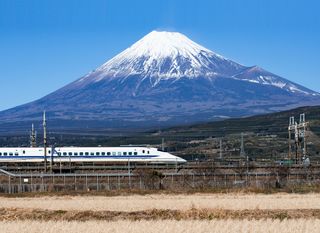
298,142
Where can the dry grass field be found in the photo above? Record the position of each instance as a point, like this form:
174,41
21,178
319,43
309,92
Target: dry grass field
234,212
231,201
219,226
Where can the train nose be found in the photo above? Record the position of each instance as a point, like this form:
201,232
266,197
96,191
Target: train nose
181,160
174,158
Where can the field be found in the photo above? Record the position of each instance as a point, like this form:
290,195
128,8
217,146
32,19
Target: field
233,212
219,226
165,201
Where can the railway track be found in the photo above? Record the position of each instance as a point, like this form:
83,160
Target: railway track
194,167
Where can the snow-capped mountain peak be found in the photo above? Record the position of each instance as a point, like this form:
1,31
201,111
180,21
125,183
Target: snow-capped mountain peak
161,56
165,55
164,44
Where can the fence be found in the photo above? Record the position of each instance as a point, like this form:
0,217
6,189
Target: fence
148,180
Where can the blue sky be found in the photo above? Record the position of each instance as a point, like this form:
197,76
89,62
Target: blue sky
45,44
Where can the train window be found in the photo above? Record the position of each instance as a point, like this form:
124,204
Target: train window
59,153
135,153
97,153
10,153
5,153
64,153
108,153
114,153
49,152
148,152
91,153
103,153
0,153
86,153
119,153
16,153
143,151
124,153
23,152
70,153
75,153
81,153
130,153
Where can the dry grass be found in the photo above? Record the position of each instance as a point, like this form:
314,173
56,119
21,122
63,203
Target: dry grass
162,213
221,226
154,214
171,202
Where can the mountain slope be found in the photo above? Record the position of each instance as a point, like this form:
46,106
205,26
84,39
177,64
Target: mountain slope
165,55
164,79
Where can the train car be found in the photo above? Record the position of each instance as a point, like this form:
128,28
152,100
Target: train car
89,154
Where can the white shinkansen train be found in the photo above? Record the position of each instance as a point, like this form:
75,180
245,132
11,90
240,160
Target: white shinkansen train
84,154
88,154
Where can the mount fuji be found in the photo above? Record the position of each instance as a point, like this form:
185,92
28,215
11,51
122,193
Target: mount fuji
163,79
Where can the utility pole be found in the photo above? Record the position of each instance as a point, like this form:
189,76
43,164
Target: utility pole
129,173
212,153
296,140
33,136
302,125
53,151
242,153
45,140
290,128
220,148
162,145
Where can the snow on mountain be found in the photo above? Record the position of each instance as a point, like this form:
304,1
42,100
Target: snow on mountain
165,55
162,55
258,75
